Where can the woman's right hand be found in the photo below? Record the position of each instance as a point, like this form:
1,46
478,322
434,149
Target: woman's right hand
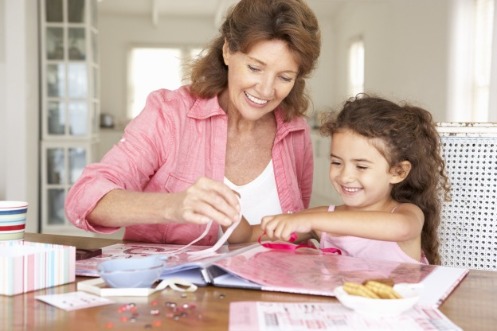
206,200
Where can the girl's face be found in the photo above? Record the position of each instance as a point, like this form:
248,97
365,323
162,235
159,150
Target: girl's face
259,80
358,172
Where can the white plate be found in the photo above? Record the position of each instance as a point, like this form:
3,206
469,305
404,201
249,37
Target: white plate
381,307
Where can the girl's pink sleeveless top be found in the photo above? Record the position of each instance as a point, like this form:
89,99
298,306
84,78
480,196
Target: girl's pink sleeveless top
368,248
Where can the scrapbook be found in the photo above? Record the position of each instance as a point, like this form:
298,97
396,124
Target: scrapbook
304,271
307,271
178,264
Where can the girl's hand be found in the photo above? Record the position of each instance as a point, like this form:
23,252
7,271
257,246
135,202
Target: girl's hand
282,226
206,200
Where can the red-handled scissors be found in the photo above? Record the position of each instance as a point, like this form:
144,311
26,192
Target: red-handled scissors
290,246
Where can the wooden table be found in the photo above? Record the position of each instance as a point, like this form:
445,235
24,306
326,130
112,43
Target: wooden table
472,306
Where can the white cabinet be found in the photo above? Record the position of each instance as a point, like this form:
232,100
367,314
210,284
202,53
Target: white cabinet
323,193
61,165
69,102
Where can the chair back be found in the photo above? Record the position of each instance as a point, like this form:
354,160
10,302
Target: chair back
468,230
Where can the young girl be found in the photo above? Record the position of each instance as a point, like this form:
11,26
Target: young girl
387,167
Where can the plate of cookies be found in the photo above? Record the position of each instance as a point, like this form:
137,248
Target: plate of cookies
378,297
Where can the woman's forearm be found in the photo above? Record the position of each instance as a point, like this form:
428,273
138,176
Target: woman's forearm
120,208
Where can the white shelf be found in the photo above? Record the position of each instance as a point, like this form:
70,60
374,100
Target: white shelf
70,103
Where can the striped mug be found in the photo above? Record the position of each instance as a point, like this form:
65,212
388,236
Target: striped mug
12,219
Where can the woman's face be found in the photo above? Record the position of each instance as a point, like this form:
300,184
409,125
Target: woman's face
259,80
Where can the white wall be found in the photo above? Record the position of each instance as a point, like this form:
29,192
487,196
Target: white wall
322,82
19,112
406,53
3,136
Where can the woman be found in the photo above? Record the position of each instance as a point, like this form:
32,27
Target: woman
238,127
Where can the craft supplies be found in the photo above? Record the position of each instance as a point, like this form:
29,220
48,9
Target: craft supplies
133,272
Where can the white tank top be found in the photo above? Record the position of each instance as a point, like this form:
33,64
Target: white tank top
259,197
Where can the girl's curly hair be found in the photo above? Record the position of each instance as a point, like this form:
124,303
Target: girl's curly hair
410,135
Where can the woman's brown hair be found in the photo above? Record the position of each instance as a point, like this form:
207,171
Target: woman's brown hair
252,21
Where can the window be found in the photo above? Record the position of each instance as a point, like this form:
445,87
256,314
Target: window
356,67
470,65
482,63
151,68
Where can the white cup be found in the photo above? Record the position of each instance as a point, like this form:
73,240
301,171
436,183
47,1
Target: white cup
12,219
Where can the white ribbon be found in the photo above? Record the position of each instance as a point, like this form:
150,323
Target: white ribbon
211,250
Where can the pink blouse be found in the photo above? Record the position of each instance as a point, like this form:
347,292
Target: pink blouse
175,140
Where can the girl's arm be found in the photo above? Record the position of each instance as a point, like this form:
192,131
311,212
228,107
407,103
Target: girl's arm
302,236
404,224
245,232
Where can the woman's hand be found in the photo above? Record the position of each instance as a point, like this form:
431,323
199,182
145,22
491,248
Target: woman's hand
206,200
202,202
282,226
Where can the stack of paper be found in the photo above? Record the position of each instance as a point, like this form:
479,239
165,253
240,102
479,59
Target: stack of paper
27,266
